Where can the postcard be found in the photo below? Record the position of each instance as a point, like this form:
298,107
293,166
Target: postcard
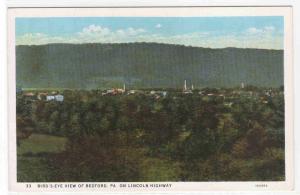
150,99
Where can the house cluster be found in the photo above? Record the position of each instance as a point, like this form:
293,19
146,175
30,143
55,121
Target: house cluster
123,91
227,95
114,91
45,96
272,93
158,94
161,93
57,97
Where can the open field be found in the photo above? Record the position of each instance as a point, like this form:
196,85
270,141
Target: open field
39,143
32,156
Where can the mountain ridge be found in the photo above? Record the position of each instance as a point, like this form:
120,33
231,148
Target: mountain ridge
129,43
145,65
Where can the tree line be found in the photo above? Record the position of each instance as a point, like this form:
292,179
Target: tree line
176,138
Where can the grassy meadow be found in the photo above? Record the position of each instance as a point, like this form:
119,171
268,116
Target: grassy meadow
32,155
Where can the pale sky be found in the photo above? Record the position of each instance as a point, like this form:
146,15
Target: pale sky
214,32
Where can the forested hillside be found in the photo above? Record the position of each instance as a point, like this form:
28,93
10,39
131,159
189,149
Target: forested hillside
145,65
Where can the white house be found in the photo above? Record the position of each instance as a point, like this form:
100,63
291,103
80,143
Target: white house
50,97
58,98
159,93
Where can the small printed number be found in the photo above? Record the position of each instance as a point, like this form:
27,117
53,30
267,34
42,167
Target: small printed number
261,185
28,185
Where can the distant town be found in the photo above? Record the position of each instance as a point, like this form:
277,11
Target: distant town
225,94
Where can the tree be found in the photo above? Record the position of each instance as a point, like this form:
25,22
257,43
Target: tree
25,127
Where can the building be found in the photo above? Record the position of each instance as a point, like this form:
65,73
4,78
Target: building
42,96
131,92
186,90
29,94
242,85
158,93
201,93
50,97
115,91
54,92
119,90
58,98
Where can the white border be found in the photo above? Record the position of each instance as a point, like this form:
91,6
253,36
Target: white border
3,102
134,3
233,11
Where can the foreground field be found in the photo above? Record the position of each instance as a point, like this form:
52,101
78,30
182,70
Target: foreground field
32,156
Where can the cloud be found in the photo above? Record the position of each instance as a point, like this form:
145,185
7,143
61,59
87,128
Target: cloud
94,33
266,37
129,32
133,32
93,29
253,30
269,28
266,29
158,26
38,39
